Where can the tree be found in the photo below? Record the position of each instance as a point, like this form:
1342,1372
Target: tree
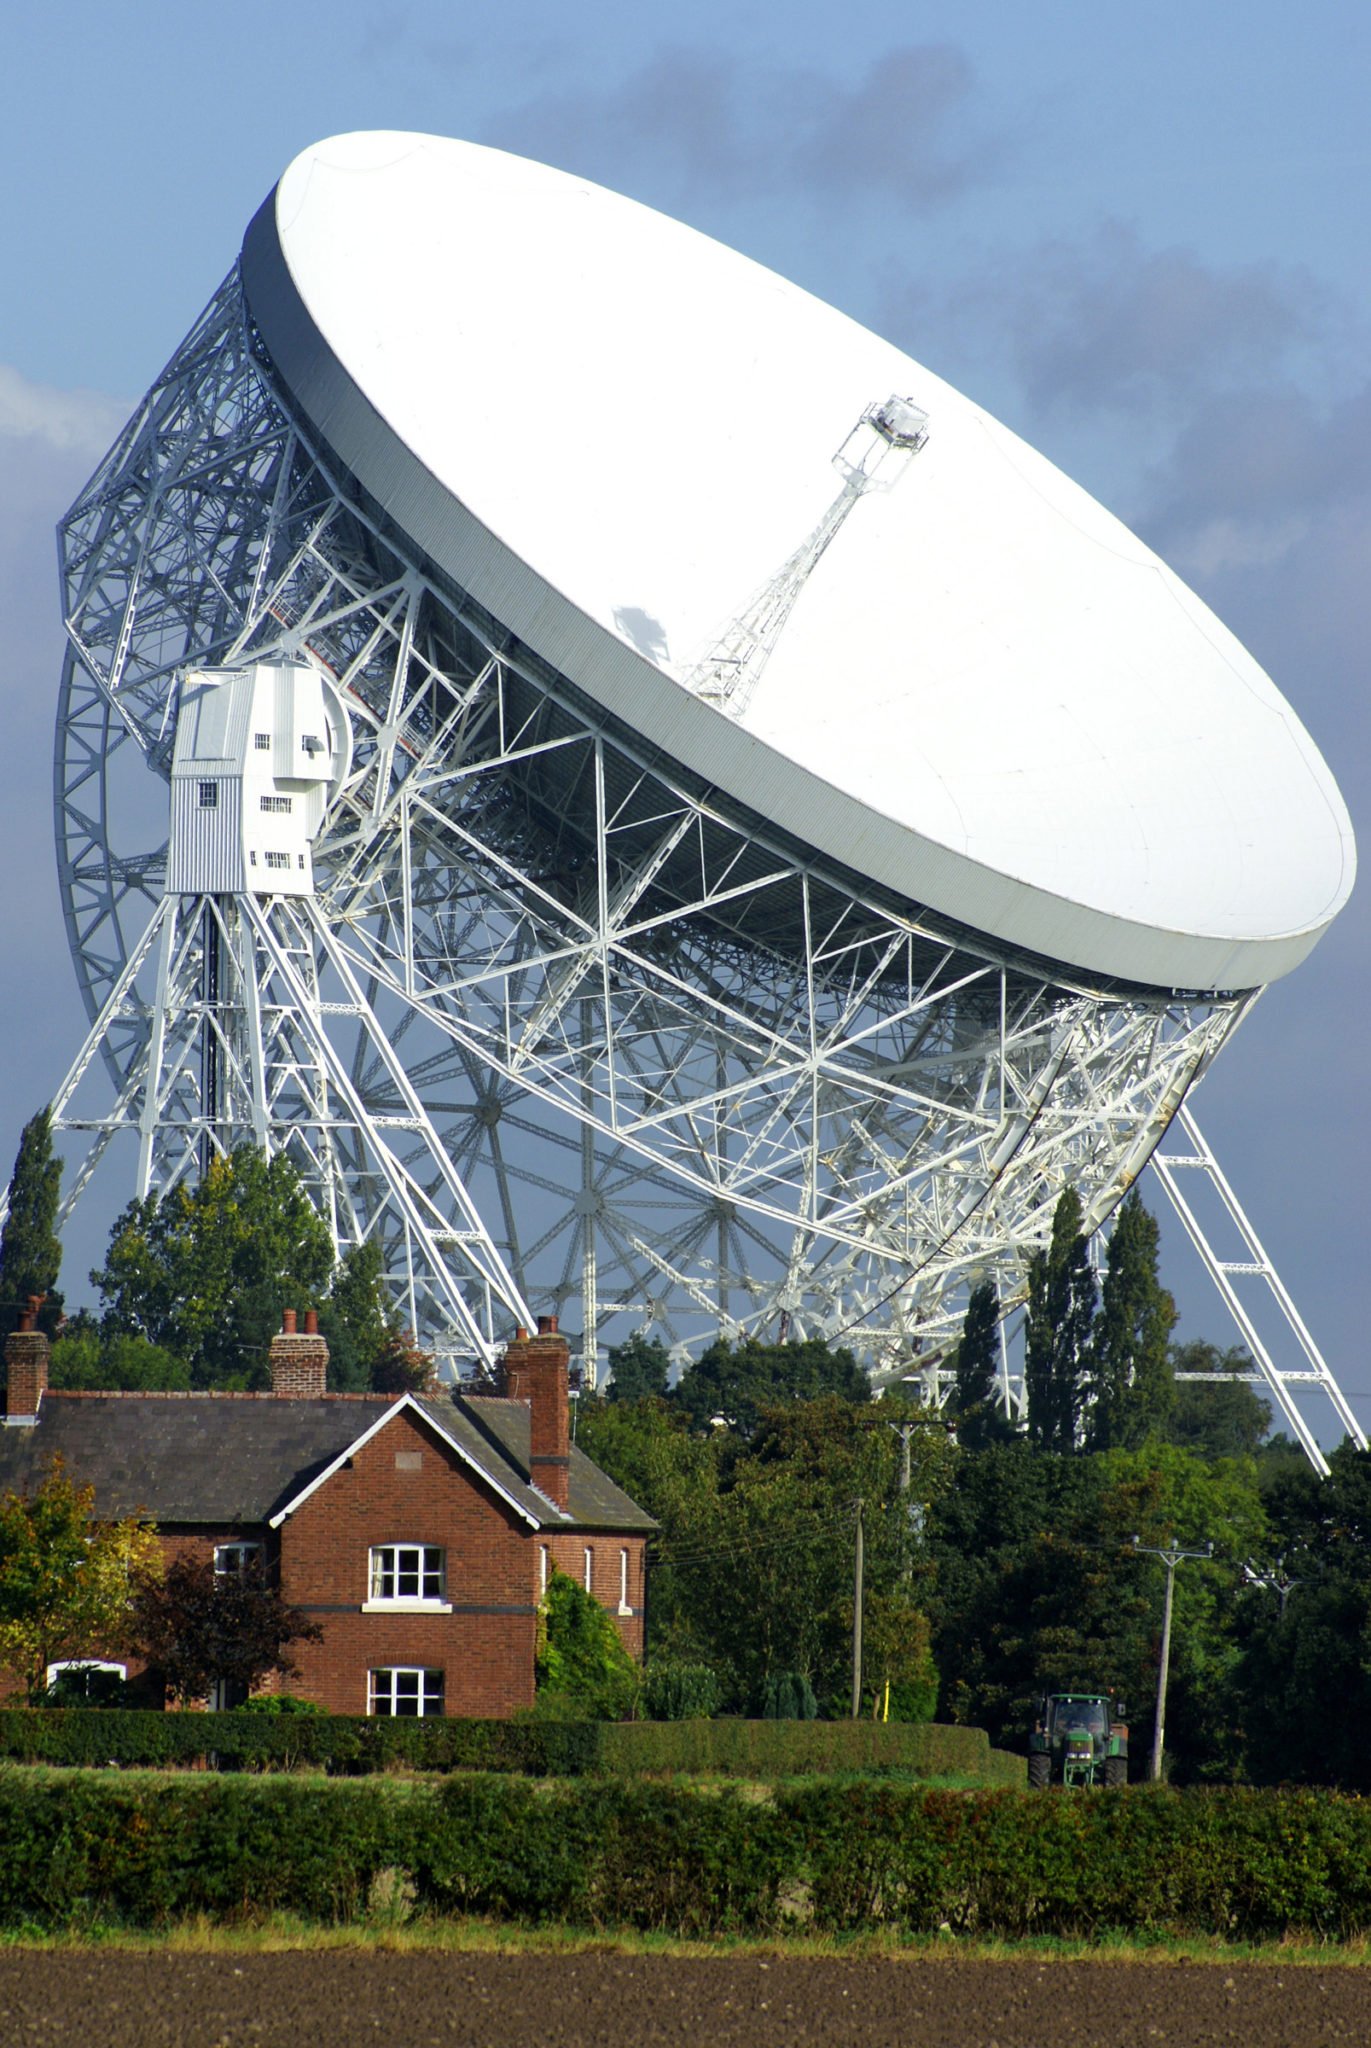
1223,1418
197,1628
204,1272
639,1367
400,1366
1061,1316
582,1668
1131,1370
87,1358
736,1382
358,1323
30,1250
66,1579
976,1363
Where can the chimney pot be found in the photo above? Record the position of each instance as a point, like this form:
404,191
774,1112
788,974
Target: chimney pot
547,1326
311,1322
288,1322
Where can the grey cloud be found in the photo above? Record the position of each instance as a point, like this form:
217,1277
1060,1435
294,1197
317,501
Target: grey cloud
707,122
1110,323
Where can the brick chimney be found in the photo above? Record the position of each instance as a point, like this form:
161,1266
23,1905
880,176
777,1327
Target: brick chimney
534,1370
26,1365
299,1362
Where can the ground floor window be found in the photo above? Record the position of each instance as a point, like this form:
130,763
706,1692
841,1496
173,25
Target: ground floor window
405,1689
85,1681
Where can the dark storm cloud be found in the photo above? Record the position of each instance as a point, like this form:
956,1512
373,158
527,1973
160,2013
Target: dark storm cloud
710,122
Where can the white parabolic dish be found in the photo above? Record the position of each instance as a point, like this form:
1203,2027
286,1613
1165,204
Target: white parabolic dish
991,698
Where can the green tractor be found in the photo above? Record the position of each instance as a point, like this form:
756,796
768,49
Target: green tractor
1079,1738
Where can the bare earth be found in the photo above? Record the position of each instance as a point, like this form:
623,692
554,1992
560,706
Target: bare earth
339,1999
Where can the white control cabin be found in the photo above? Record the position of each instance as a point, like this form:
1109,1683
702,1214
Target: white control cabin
257,753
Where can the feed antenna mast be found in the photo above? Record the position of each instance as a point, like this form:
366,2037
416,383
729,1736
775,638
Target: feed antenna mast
872,457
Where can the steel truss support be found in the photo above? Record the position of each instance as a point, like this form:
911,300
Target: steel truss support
689,1075
284,1026
1254,1267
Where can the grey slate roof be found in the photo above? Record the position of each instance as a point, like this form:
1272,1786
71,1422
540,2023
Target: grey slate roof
225,1459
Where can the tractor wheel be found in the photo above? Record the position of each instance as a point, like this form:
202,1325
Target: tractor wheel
1039,1770
1116,1770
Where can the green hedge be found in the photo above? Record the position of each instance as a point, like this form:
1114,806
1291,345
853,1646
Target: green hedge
351,1745
343,1744
81,1847
769,1750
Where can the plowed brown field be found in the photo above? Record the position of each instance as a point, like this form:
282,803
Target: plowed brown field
340,1999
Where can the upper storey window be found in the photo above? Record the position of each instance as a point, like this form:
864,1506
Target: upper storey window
407,1575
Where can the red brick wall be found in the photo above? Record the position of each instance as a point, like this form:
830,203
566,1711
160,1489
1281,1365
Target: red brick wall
485,1646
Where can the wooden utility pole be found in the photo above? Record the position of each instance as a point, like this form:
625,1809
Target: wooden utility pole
1170,1556
857,1618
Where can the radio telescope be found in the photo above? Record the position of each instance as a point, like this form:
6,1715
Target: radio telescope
664,808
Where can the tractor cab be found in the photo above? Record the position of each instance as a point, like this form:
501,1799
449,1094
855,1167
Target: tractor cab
1078,1739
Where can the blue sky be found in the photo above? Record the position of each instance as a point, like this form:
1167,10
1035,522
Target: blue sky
1138,235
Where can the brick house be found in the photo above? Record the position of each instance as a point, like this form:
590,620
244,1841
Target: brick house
417,1530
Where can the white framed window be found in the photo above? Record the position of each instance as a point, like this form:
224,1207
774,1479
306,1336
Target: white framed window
280,804
407,1575
624,1607
278,860
79,1672
410,1689
209,796
544,1567
231,1560
262,742
589,1567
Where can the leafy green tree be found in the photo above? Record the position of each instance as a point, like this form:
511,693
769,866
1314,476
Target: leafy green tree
1223,1418
639,1367
1131,1370
358,1323
1061,1317
736,1382
198,1628
88,1359
977,1364
204,1272
1303,1684
66,1578
583,1670
30,1249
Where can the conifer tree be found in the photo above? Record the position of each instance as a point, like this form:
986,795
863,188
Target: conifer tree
1132,1377
975,1362
1061,1316
30,1250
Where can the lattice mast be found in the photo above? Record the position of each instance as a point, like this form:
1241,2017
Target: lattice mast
872,457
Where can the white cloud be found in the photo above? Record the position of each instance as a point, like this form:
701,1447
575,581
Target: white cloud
80,422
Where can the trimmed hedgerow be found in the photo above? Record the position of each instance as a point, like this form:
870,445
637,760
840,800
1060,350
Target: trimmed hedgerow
351,1745
341,1744
600,1851
770,1750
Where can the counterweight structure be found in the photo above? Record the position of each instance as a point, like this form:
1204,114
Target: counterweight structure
558,1021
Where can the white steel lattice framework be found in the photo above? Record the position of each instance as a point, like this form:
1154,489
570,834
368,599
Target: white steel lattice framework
559,1027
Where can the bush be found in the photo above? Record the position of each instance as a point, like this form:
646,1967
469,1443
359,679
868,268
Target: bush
681,1692
583,1669
789,1696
